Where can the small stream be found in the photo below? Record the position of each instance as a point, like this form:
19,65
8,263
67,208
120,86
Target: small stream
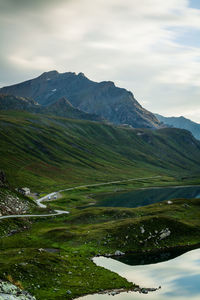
178,277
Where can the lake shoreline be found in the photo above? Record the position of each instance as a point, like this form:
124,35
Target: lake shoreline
137,288
114,292
144,196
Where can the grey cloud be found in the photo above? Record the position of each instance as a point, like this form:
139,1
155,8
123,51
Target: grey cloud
131,42
14,6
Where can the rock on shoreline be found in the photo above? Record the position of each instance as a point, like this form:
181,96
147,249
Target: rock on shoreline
12,292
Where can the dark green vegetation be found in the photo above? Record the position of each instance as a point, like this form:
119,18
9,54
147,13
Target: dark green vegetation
47,153
53,256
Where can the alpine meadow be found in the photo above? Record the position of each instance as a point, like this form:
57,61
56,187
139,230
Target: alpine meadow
99,196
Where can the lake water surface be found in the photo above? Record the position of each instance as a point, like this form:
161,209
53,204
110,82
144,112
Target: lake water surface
147,196
178,274
179,278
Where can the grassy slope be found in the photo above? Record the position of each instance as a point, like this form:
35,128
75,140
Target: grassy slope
51,275
46,153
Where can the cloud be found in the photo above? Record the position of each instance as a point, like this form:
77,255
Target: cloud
135,43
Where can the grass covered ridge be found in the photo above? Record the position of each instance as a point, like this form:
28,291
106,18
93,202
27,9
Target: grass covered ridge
47,153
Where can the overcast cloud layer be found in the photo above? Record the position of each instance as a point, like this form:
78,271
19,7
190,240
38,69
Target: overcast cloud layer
150,47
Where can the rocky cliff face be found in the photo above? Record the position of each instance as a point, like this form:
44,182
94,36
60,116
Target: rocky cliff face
12,292
104,99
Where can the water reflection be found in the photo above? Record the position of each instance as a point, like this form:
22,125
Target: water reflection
178,277
135,259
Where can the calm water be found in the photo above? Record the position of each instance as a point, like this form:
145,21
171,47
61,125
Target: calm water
179,278
147,196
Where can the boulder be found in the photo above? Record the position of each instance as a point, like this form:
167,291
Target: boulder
3,180
118,253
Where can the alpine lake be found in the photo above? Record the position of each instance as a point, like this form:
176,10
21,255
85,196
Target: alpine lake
175,274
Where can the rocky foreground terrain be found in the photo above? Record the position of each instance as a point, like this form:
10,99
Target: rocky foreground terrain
10,291
11,202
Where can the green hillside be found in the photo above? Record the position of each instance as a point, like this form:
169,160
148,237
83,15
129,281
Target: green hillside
46,152
49,256
54,254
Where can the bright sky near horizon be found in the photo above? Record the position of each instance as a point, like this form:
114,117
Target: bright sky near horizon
151,47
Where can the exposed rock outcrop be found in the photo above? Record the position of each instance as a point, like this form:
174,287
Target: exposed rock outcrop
11,204
3,180
62,107
104,99
10,291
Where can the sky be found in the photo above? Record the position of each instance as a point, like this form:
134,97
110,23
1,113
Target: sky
150,47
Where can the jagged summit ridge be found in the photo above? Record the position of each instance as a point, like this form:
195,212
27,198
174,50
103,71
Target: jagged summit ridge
49,75
104,99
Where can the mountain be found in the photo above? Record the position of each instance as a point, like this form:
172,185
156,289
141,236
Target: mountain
62,107
181,122
50,153
104,99
10,102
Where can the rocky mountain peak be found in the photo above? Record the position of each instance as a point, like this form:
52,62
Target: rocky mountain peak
107,84
81,74
103,99
49,75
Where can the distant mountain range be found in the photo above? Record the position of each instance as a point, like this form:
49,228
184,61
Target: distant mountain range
39,138
104,99
182,123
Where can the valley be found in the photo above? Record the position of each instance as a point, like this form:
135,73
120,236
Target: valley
47,242
99,195
65,244
48,153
